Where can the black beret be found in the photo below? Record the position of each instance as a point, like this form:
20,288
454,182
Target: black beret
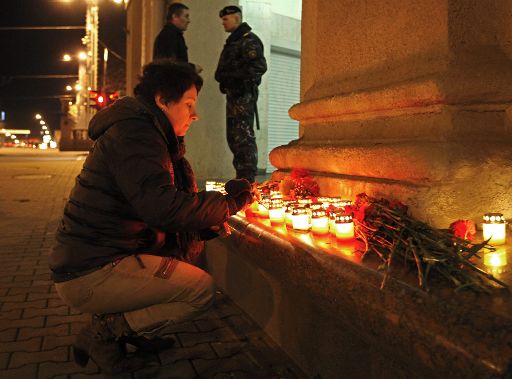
230,9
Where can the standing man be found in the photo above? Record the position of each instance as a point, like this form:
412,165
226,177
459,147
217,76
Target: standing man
170,42
239,72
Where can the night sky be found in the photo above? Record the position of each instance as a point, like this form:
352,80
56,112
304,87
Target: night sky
39,52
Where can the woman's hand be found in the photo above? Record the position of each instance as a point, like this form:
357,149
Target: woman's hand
240,192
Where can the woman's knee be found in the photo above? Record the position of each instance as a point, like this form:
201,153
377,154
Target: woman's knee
205,293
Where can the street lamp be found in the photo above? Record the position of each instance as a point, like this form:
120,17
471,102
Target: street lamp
88,68
69,88
38,116
66,57
105,60
42,122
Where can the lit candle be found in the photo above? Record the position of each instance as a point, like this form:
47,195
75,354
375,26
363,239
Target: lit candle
344,226
276,211
253,210
288,214
300,219
210,185
263,206
339,203
221,187
319,222
324,200
494,228
332,221
495,259
315,206
306,201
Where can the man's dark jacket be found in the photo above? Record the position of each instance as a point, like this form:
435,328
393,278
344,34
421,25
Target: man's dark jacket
241,62
170,44
129,187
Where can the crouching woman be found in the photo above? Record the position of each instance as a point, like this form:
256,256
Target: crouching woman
134,221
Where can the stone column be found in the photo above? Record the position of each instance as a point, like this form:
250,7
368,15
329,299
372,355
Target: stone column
409,100
207,148
258,14
144,21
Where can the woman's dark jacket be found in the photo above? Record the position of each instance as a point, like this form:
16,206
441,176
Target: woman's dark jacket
134,182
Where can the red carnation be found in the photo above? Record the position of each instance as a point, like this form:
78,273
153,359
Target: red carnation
360,207
348,209
298,173
463,229
310,185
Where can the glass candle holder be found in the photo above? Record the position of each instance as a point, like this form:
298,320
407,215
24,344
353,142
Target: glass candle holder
275,194
300,219
316,205
319,222
276,211
322,199
305,201
263,206
221,187
288,210
495,259
339,203
494,228
332,221
210,185
253,210
344,226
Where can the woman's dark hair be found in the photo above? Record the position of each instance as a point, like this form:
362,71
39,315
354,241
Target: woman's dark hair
167,78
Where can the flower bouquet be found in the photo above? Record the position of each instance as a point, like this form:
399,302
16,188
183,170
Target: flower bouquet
388,231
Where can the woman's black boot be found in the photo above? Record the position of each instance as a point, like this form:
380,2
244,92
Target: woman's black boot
100,341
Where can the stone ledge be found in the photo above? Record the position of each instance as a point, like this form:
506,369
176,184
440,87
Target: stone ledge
327,312
439,181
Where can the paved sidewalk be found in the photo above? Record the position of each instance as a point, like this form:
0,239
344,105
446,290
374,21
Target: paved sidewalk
37,328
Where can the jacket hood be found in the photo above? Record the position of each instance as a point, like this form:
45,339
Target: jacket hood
127,108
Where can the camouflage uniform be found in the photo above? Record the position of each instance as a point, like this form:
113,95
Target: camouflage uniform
239,72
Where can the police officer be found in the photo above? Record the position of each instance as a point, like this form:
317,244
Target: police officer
239,72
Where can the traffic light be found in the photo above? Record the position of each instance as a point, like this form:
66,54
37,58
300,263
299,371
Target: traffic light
112,96
100,100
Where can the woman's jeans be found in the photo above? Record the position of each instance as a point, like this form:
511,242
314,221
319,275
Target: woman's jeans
151,291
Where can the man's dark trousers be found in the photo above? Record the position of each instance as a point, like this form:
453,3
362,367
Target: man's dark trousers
240,134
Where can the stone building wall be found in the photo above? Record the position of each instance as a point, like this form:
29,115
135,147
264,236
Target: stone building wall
407,100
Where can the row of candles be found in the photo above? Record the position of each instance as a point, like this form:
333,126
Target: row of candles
321,217
326,215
